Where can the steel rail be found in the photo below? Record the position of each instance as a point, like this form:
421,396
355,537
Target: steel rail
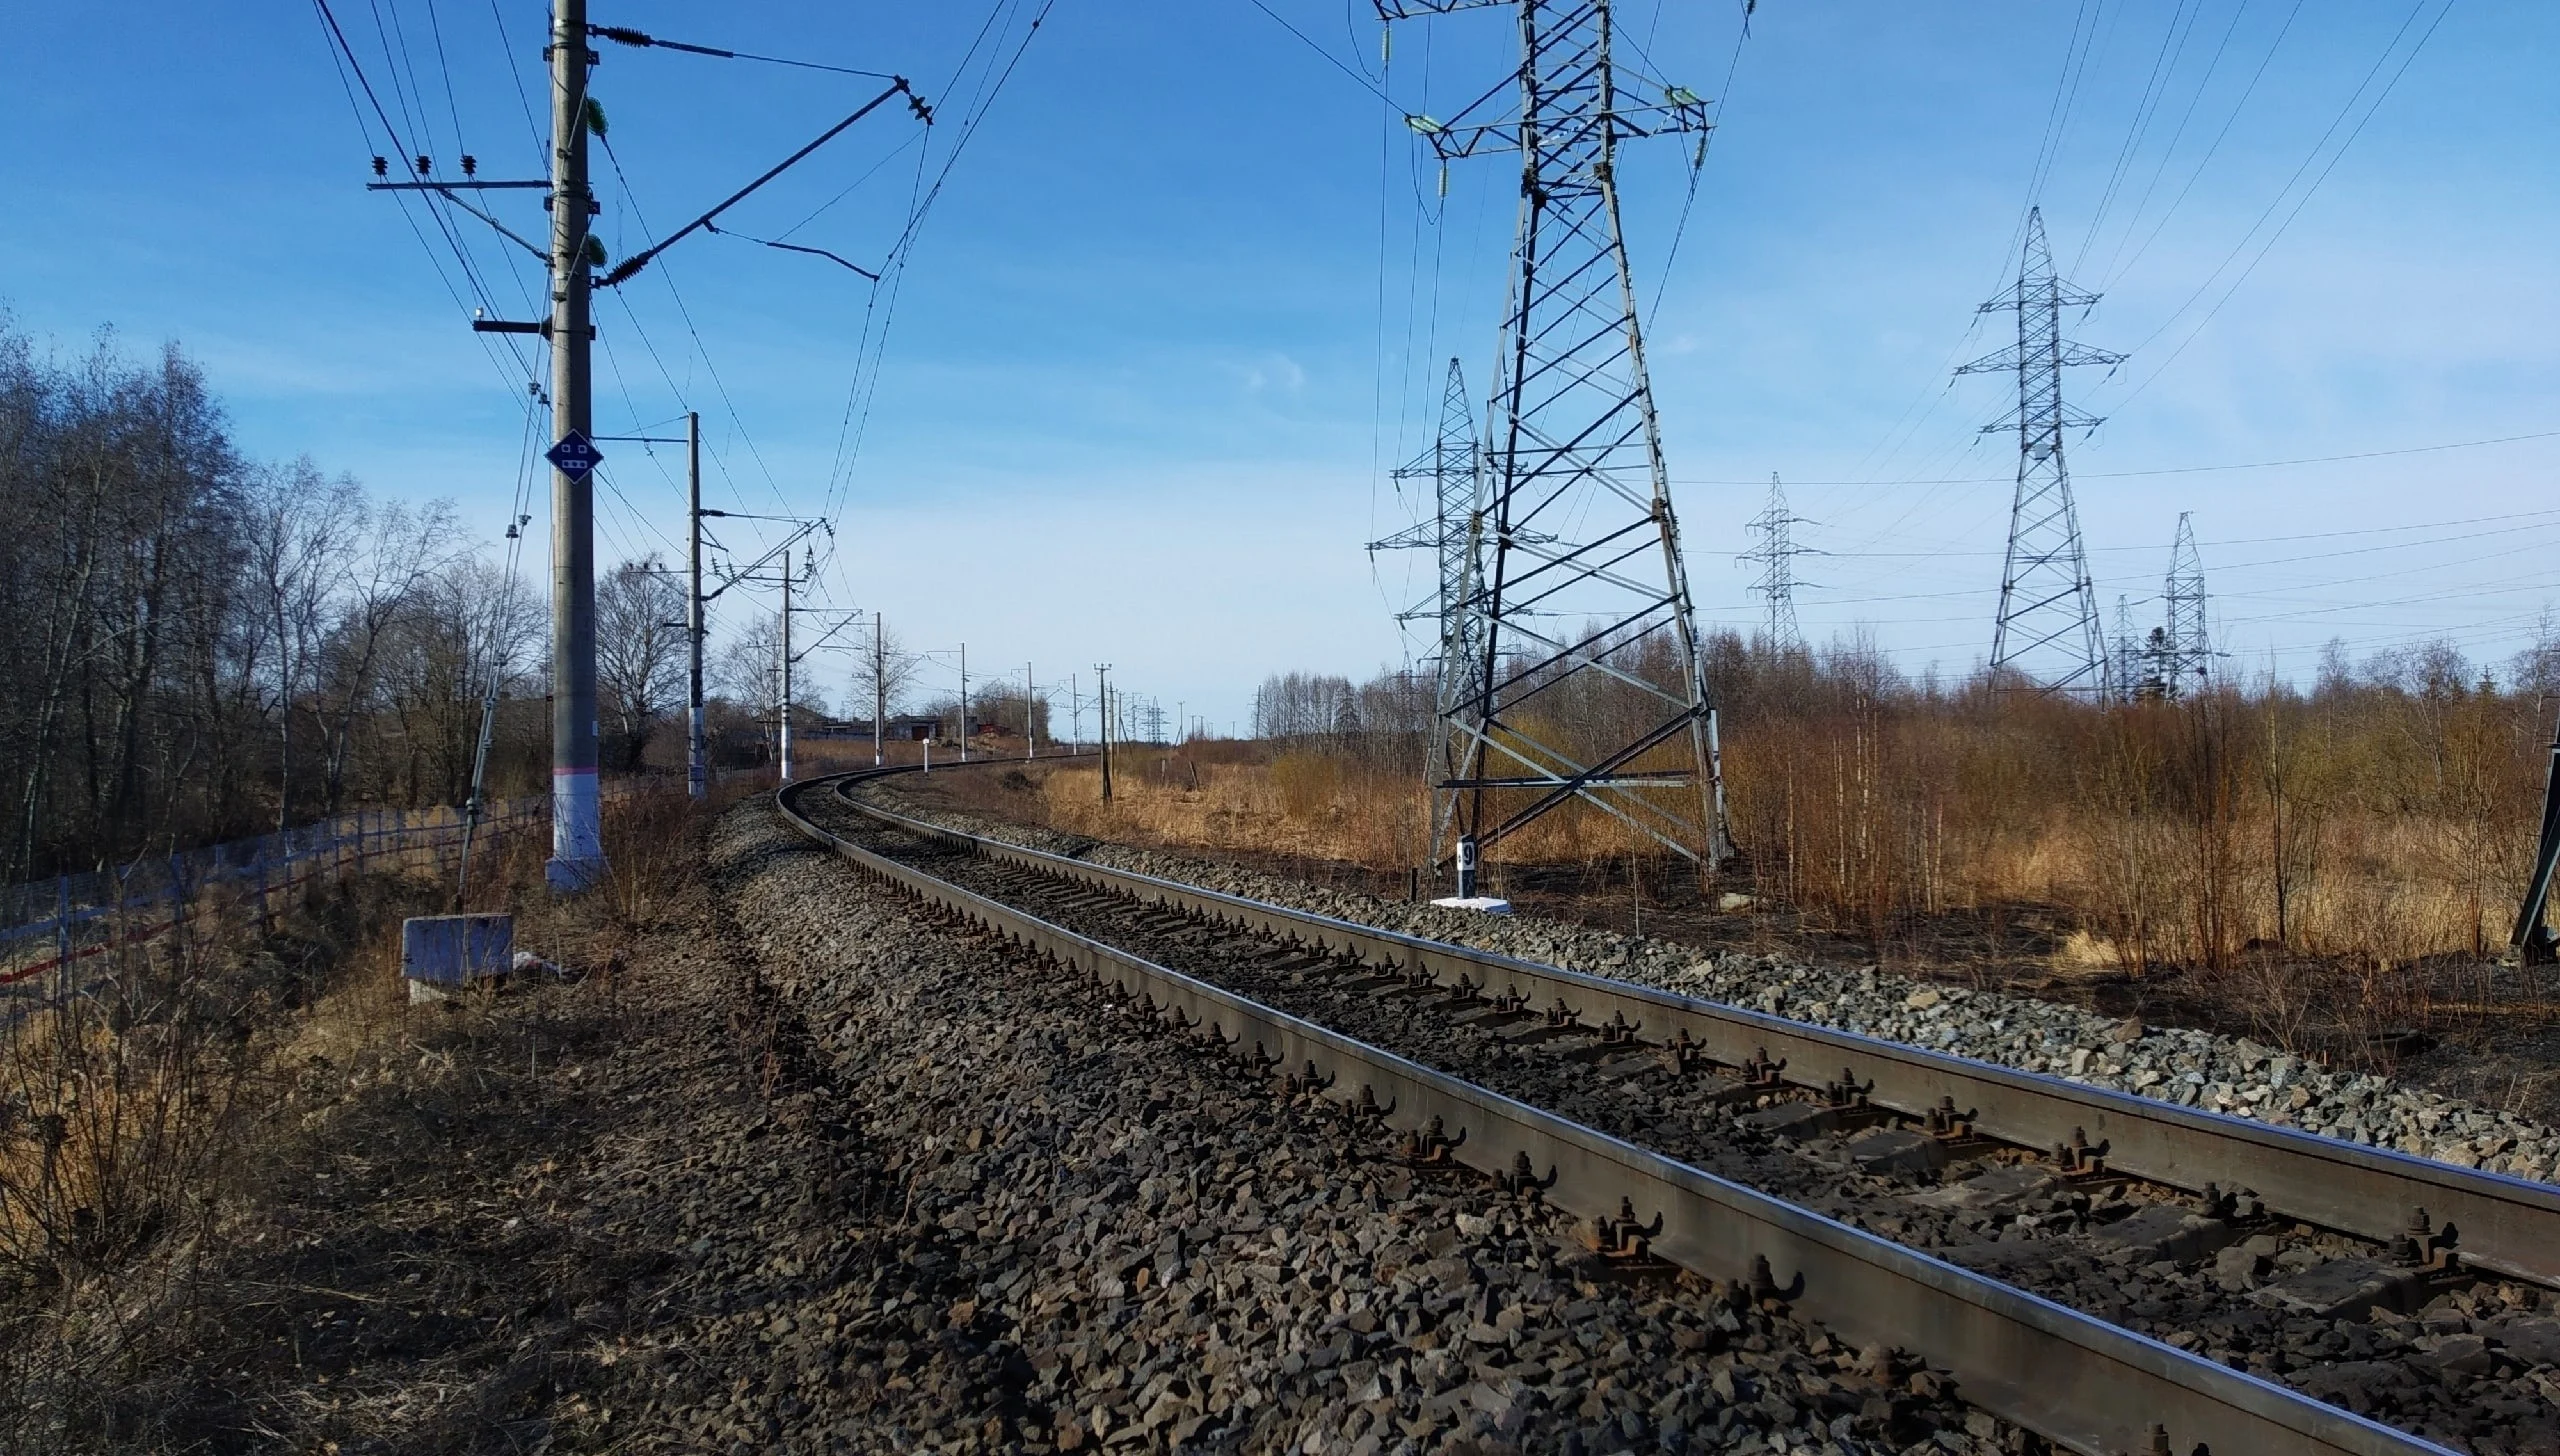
2083,1384
2504,1224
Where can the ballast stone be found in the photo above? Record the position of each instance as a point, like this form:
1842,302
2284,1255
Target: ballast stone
2121,1053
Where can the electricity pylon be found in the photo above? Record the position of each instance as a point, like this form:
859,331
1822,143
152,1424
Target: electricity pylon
2189,662
2126,685
1776,554
1452,534
2048,625
1449,463
1583,602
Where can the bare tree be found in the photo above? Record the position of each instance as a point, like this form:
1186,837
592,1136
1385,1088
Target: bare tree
199,648
748,673
396,552
461,627
640,647
298,528
884,672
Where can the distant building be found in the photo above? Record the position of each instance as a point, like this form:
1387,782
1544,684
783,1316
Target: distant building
900,728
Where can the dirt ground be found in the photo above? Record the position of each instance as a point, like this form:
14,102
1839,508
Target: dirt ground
434,1232
812,1171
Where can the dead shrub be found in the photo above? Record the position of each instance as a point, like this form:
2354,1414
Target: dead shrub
1307,783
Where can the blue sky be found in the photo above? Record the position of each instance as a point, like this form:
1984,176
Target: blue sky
1187,292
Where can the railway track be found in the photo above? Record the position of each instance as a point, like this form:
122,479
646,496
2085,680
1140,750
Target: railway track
1885,1193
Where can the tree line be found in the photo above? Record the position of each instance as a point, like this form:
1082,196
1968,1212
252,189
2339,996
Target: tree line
205,646
2380,812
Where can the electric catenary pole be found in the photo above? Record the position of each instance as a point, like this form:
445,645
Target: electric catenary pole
783,712
577,822
1102,724
573,255
2189,664
1577,499
1776,555
697,749
2047,631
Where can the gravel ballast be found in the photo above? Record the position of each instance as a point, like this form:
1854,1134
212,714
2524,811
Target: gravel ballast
1095,1234
2220,1279
2191,1068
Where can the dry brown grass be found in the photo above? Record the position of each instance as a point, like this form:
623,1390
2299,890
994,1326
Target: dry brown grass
130,1118
2378,829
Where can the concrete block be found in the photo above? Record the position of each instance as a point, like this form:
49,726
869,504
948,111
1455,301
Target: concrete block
1897,1150
2005,1189
451,951
2165,1231
1794,1120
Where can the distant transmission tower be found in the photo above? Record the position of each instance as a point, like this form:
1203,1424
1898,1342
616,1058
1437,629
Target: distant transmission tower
1584,594
2125,684
1776,555
1449,463
2189,662
1453,532
2048,626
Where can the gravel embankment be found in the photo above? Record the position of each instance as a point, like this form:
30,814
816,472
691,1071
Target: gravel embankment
2469,1367
2191,1068
1093,1234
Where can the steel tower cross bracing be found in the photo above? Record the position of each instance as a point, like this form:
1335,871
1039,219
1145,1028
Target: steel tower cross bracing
1449,462
2126,685
2190,646
1453,533
1776,556
2048,629
1583,592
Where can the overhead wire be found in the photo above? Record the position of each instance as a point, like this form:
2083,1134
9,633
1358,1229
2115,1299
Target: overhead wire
2178,469
737,422
351,78
2177,134
1330,58
2214,148
515,73
871,341
2154,86
902,248
1697,168
2335,156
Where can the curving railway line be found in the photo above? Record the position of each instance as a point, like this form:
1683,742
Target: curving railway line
2116,1274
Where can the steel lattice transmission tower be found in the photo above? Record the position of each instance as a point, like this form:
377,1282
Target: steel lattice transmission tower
1776,555
2126,685
1449,462
2048,625
1583,592
1453,533
2189,659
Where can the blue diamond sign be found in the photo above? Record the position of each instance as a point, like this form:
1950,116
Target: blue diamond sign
575,455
